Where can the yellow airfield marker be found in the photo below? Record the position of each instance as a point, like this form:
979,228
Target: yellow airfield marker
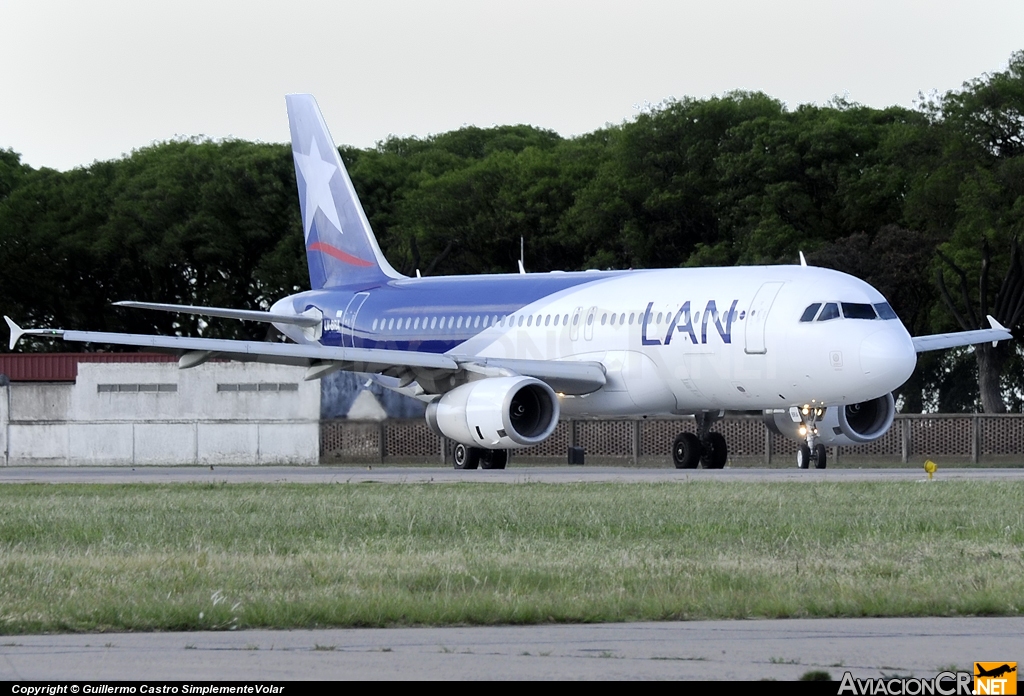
930,467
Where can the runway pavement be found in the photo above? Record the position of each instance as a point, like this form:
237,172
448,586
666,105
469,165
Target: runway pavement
749,650
525,474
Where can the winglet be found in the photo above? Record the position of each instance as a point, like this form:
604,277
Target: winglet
16,331
995,325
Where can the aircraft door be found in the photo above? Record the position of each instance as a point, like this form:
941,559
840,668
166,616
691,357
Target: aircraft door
348,319
588,329
574,327
757,315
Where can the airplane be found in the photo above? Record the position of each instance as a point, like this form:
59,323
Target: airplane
498,359
994,672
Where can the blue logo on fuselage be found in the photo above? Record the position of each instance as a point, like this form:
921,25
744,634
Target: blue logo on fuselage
682,321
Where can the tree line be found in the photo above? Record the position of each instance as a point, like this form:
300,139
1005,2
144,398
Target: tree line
925,204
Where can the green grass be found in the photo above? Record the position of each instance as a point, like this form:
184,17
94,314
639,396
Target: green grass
179,557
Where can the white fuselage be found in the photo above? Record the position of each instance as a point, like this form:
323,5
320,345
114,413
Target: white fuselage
671,341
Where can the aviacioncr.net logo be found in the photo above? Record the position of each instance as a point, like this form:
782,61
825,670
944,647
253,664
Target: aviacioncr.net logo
995,678
945,684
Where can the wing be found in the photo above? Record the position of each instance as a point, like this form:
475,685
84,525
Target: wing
568,377
356,359
998,332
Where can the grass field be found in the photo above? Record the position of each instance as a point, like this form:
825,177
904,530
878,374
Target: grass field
174,557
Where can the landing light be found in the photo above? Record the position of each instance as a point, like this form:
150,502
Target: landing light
802,430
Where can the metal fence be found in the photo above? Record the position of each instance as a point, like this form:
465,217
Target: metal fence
967,437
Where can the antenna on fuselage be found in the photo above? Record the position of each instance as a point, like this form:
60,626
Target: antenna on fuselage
522,257
803,261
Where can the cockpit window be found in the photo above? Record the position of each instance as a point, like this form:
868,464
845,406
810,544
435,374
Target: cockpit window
809,313
831,311
885,311
853,310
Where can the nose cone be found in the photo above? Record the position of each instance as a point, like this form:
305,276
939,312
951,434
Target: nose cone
888,357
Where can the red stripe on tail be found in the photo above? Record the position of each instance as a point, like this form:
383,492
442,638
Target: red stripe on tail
339,254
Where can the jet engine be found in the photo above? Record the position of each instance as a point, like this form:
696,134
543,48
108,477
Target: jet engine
496,413
852,424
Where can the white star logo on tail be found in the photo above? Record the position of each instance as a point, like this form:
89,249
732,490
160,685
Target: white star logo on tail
317,173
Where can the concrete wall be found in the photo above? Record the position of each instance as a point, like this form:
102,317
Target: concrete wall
5,395
154,414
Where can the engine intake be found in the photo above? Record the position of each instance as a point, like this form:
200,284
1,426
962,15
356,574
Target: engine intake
496,413
852,424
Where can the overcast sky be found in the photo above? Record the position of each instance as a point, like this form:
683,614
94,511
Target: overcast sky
84,81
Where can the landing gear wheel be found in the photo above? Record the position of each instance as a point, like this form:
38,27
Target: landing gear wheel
820,456
466,457
714,453
686,451
803,457
493,459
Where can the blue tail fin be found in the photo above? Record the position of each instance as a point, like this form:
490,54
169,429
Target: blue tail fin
340,246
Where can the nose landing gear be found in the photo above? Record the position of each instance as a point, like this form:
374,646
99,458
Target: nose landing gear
706,447
811,451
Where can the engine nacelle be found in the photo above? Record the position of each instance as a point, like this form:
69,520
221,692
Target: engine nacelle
496,413
853,424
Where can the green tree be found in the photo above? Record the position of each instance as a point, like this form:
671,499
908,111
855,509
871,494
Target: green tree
981,175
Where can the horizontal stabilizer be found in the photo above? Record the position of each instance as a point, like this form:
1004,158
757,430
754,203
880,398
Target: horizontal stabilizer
304,320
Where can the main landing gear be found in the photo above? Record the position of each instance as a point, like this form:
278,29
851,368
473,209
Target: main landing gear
811,451
705,447
472,457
